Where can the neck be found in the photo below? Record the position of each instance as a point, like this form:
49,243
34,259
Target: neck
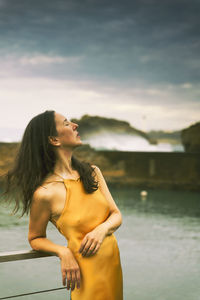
63,165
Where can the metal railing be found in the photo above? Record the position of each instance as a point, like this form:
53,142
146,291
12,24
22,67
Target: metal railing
21,255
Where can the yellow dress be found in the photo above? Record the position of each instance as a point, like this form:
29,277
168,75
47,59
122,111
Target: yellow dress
101,274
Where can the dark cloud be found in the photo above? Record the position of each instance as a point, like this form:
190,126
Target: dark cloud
151,40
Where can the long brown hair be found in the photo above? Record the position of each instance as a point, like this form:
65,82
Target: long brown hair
36,159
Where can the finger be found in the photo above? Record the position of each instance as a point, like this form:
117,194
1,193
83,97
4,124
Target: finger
64,277
86,247
96,249
78,278
84,241
68,279
91,249
73,279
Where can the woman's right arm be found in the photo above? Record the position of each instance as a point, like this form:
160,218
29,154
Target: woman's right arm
40,213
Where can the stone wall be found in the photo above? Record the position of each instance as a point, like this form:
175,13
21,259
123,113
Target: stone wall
153,169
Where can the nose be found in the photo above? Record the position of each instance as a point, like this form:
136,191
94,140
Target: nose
75,125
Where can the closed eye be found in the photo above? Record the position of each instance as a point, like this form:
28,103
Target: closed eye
66,122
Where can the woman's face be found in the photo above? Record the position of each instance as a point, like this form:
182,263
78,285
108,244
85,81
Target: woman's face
67,132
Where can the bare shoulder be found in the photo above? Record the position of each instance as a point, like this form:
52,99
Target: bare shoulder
96,169
95,172
45,192
42,195
98,173
100,178
47,189
50,196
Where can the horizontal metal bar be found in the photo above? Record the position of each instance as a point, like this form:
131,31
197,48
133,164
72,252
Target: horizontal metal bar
22,254
32,293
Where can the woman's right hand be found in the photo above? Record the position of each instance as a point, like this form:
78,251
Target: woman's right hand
70,269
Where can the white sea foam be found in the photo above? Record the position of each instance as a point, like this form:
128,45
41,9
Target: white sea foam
127,142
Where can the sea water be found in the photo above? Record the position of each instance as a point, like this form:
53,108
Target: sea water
159,243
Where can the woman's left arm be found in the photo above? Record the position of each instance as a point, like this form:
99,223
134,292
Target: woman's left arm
93,240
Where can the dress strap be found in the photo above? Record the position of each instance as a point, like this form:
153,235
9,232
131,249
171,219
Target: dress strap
53,181
46,182
58,175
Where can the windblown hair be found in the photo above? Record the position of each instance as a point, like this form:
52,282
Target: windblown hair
36,159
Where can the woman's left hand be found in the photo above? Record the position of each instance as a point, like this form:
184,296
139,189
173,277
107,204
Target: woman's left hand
93,240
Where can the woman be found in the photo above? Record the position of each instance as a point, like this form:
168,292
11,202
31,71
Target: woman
55,186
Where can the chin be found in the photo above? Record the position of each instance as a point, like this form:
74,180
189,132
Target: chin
78,144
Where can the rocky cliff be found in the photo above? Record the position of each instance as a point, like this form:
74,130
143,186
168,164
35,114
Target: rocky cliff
89,125
161,136
191,138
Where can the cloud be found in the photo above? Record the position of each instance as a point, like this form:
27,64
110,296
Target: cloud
155,41
186,85
122,59
47,59
34,95
32,65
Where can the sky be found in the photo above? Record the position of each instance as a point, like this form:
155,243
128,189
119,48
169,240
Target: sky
137,61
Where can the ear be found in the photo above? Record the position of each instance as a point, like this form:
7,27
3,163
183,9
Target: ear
53,140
